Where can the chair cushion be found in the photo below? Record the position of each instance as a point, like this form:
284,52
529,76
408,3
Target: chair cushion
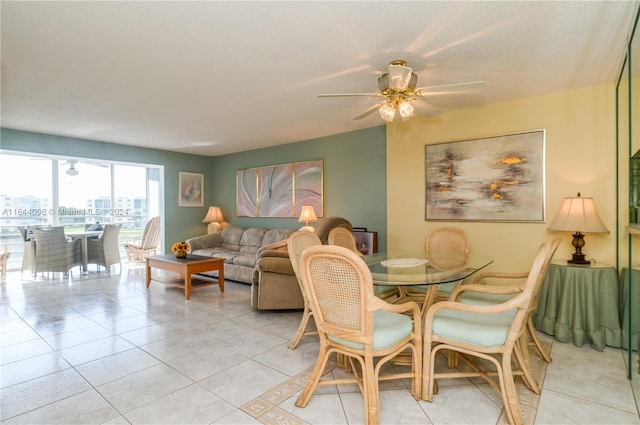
388,330
95,227
483,329
484,298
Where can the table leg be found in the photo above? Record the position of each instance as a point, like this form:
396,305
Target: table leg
187,284
221,279
148,273
85,256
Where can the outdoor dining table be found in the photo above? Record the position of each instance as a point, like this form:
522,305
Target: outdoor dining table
83,236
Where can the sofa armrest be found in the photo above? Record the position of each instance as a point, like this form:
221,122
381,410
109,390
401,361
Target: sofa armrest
273,253
276,249
275,265
205,241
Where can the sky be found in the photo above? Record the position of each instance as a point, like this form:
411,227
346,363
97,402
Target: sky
25,176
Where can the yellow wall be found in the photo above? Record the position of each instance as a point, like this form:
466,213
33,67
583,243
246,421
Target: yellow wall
580,157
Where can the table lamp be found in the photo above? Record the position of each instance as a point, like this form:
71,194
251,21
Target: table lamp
213,217
306,215
578,215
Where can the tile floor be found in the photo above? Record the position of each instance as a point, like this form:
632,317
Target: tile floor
103,349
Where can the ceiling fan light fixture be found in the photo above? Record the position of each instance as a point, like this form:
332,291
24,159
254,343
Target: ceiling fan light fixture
399,77
72,170
405,109
387,111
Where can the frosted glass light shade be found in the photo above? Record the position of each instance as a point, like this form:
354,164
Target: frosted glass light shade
387,111
405,109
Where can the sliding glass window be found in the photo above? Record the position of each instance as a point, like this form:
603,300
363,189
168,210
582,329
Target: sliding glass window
74,193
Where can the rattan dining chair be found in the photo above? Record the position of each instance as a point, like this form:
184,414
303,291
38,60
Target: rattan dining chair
353,322
487,332
490,288
296,244
341,236
446,248
103,251
147,244
52,253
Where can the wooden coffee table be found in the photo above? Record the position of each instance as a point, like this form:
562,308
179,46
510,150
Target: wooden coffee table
186,267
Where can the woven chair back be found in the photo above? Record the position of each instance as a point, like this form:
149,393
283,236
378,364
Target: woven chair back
552,246
110,236
446,247
524,300
49,237
338,284
151,234
343,237
296,244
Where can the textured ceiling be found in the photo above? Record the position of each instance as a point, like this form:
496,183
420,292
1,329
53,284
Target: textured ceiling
212,78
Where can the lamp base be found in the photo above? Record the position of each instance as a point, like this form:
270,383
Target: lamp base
213,227
307,229
579,259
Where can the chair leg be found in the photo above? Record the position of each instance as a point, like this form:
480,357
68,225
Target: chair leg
370,393
318,370
301,328
531,331
509,392
523,360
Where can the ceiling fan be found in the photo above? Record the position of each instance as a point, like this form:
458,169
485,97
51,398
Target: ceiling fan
398,88
72,166
72,171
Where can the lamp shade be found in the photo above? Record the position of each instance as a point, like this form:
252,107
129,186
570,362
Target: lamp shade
578,214
214,214
307,214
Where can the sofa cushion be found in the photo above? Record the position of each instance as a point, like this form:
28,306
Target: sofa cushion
276,235
248,260
252,239
231,237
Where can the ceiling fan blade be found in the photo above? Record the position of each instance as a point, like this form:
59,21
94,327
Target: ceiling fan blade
456,88
426,108
399,77
368,111
351,94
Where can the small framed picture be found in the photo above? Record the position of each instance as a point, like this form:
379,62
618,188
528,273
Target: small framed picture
366,242
190,189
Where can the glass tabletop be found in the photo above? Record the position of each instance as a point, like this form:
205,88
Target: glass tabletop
414,269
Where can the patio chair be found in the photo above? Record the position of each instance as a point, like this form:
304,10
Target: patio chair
296,244
4,258
103,251
486,332
53,253
353,322
145,245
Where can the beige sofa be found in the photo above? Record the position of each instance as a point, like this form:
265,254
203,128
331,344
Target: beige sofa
259,257
238,246
275,286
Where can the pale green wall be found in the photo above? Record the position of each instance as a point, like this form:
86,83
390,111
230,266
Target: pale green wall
354,178
354,175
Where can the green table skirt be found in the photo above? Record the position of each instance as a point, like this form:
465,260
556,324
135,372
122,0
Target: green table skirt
580,305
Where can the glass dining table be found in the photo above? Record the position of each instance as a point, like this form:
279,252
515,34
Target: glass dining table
410,269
